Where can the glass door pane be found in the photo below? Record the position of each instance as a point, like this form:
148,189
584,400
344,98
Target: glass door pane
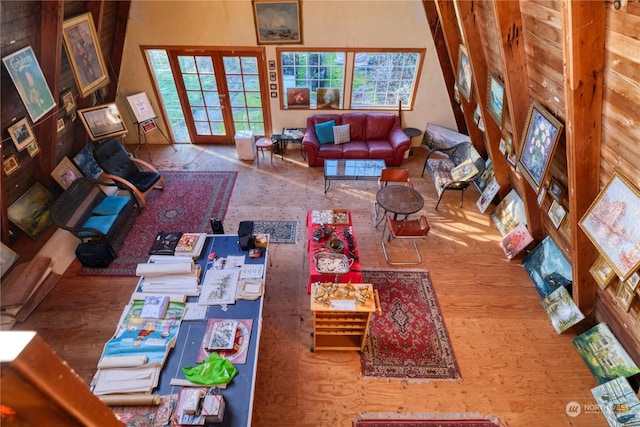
245,98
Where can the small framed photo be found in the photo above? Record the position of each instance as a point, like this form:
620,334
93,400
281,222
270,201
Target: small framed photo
541,194
556,189
495,98
633,281
463,80
10,165
102,121
273,86
274,94
68,102
625,296
33,148
556,213
272,65
21,134
602,272
272,76
60,125
65,173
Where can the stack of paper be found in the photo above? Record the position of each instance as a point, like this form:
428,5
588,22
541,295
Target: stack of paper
169,274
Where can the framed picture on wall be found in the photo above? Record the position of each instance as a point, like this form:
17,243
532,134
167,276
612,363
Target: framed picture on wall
65,173
495,97
556,213
602,272
30,212
611,223
21,134
463,82
538,145
33,148
10,165
83,49
277,22
103,121
556,189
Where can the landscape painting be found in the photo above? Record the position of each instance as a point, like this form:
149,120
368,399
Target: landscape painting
548,268
277,22
604,355
561,310
618,402
509,213
31,211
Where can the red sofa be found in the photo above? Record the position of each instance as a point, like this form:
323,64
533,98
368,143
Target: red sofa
372,136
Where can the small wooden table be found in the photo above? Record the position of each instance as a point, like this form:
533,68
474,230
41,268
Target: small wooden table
341,315
399,199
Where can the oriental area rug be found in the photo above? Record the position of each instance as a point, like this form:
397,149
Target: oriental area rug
409,339
278,231
187,203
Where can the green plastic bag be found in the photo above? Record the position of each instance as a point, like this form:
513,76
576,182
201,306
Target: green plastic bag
213,370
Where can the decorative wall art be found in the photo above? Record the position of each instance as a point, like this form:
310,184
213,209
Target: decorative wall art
624,296
602,272
277,22
33,148
328,98
509,151
65,173
556,213
21,134
538,145
509,213
514,242
556,189
298,97
618,402
83,50
463,82
102,121
548,268
495,97
31,211
86,163
633,281
611,223
68,102
141,107
10,165
486,176
488,194
561,310
32,87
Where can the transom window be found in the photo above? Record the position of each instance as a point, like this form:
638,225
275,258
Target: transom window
377,79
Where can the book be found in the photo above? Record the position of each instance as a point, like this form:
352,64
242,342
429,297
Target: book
223,335
464,171
190,244
237,354
165,243
154,306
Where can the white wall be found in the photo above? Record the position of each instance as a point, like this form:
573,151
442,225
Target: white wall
325,23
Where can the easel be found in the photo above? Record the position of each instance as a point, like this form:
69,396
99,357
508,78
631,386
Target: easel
145,118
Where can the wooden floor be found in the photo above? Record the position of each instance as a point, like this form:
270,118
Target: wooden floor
513,364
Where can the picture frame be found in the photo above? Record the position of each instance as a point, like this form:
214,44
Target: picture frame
27,76
33,148
509,151
30,212
556,189
68,102
141,107
272,65
633,281
556,213
548,268
298,97
624,296
541,195
611,225
495,97
65,173
274,94
86,163
463,82
272,76
273,86
327,98
103,121
21,134
10,165
538,144
602,272
277,22
83,50
60,125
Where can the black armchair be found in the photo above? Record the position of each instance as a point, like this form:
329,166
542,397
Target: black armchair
128,172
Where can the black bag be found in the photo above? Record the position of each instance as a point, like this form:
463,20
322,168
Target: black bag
95,253
245,235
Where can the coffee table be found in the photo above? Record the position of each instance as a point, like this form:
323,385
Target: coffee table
344,170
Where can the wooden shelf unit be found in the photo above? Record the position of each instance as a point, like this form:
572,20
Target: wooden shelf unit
343,324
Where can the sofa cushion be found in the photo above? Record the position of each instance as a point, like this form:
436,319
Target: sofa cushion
358,124
380,149
355,150
102,223
332,151
379,125
324,131
111,205
341,134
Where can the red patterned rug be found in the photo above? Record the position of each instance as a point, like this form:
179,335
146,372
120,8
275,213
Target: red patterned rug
409,339
425,423
188,202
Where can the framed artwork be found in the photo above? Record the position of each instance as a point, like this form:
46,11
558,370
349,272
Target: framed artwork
277,22
103,121
556,213
541,194
624,295
65,173
30,212
10,165
602,272
141,107
547,267
509,213
561,310
298,97
633,281
273,86
68,102
272,65
556,189
272,76
274,94
60,125
86,163
611,223
488,194
509,151
538,144
495,97
83,49
33,148
464,73
514,242
327,98
26,74
21,134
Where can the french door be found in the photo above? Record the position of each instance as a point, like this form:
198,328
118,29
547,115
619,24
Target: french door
221,92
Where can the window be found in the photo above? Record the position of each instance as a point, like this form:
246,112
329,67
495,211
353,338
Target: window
379,79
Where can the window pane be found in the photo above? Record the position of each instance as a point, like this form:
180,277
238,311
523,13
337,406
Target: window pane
191,81
312,70
205,65
208,82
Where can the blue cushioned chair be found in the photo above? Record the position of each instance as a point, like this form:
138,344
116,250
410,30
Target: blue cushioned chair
128,172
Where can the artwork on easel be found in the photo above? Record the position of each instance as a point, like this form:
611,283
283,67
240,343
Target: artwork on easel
141,107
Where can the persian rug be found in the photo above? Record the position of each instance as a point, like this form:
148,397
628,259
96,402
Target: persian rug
409,339
279,231
394,420
187,203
